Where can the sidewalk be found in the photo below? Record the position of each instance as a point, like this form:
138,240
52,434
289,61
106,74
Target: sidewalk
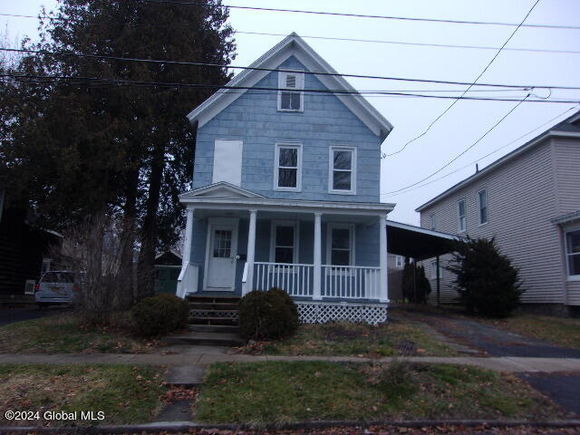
207,355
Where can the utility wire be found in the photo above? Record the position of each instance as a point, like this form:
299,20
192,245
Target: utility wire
550,121
367,41
465,150
382,17
177,85
442,114
319,73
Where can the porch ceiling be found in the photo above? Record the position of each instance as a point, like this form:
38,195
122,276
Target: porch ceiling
416,242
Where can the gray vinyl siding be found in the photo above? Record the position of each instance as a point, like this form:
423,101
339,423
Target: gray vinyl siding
566,154
521,203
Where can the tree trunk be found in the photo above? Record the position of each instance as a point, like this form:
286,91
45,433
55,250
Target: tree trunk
127,291
149,233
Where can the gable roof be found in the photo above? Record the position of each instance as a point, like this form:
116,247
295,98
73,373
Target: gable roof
293,45
222,189
567,128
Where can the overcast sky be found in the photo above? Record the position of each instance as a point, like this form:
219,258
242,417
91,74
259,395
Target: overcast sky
466,121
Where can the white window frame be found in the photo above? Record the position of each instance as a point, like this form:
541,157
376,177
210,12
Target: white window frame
567,254
480,208
353,170
433,272
399,261
433,221
339,226
460,216
297,146
296,248
283,88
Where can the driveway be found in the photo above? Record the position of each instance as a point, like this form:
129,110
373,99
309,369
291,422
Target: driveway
11,315
489,340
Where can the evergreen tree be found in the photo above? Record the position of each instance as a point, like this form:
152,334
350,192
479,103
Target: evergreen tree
487,282
87,147
416,286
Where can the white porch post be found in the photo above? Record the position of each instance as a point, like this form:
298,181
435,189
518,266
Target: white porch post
182,282
251,256
317,277
384,274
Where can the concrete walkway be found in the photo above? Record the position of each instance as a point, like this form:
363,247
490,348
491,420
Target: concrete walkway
205,356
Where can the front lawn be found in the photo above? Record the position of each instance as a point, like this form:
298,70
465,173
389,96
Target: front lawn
282,392
352,339
124,394
65,333
557,330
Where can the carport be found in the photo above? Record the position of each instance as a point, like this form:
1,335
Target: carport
419,243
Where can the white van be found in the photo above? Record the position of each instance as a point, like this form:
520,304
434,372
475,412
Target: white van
56,287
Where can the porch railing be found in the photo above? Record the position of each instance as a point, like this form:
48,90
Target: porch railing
296,279
337,282
187,281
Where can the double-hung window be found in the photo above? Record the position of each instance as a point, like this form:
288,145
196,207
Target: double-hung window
342,171
573,253
288,170
291,95
462,215
340,244
284,246
433,221
482,198
434,270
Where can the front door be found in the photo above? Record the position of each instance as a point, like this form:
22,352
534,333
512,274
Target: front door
221,256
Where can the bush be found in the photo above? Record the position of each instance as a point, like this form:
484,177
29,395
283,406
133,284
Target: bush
416,286
487,282
268,315
160,314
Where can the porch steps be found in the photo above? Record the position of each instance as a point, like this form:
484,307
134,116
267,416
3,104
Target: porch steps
213,328
206,339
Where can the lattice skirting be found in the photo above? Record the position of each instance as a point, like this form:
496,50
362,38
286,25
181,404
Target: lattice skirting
208,313
323,312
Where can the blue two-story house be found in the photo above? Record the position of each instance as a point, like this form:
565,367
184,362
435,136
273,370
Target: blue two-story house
286,190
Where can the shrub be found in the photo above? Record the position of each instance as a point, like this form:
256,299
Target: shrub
160,314
416,286
487,282
268,315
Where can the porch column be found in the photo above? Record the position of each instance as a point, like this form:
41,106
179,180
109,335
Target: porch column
251,256
384,274
317,281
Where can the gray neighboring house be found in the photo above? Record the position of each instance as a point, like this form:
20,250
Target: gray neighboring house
529,200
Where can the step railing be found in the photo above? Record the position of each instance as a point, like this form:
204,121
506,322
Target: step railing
187,282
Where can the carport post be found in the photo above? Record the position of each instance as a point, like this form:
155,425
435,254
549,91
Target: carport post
438,279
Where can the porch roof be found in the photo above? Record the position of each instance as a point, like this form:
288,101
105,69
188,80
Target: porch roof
416,242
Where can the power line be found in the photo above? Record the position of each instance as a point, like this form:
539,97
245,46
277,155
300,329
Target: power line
359,40
442,114
382,17
465,150
319,73
488,154
177,85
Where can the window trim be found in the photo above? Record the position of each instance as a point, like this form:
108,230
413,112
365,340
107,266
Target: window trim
353,170
399,262
461,230
293,145
567,255
433,270
296,248
299,89
433,219
352,234
479,208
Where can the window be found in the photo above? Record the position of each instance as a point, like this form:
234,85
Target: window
284,246
482,196
222,244
288,175
462,215
433,221
290,96
573,252
340,245
342,173
399,262
434,270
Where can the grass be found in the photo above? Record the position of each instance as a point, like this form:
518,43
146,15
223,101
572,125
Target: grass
65,333
351,339
282,392
561,331
125,394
